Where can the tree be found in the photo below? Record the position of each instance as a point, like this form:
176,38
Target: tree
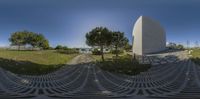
128,47
45,44
118,41
65,48
41,41
58,47
180,47
37,40
171,45
31,38
100,37
18,38
175,46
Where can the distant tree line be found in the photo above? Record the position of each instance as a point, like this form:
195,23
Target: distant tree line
60,47
175,46
66,50
102,37
22,38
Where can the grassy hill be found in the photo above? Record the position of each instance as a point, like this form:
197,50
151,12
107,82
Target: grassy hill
33,62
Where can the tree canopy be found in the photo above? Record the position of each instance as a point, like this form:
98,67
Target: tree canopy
102,37
99,36
60,47
25,37
118,41
172,45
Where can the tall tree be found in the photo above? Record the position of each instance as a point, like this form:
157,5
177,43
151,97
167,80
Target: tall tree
100,37
38,40
58,47
31,38
118,41
128,47
45,44
18,38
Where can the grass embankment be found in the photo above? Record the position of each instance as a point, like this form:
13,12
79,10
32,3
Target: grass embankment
33,62
123,65
195,56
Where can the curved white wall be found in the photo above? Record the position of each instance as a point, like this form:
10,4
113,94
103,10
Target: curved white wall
148,36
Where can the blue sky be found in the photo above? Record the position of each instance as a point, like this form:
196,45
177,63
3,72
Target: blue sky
66,21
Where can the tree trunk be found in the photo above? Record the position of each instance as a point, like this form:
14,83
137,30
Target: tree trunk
102,54
116,49
18,47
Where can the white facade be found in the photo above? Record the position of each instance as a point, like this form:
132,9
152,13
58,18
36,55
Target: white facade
148,36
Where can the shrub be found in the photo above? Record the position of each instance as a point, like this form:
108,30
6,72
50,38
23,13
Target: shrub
68,51
124,65
96,52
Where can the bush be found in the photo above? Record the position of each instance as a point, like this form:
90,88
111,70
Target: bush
124,65
68,51
58,47
50,48
96,52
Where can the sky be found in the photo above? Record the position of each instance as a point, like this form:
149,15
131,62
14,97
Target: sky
66,22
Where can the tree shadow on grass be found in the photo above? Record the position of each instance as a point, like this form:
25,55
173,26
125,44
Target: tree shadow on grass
27,67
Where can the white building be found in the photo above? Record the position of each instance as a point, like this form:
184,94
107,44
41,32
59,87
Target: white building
148,36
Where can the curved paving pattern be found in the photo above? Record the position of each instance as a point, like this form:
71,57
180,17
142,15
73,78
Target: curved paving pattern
173,80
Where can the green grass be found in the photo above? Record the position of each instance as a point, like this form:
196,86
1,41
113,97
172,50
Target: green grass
196,53
123,65
196,56
106,56
33,62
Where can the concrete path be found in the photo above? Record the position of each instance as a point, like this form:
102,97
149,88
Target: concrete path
82,79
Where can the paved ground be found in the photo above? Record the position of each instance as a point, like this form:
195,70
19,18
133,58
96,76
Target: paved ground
173,76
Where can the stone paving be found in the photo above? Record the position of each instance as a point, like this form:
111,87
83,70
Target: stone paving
82,79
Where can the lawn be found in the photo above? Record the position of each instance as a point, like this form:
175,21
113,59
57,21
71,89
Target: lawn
123,65
106,56
196,56
33,62
195,53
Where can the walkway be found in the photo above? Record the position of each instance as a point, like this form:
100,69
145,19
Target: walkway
82,79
